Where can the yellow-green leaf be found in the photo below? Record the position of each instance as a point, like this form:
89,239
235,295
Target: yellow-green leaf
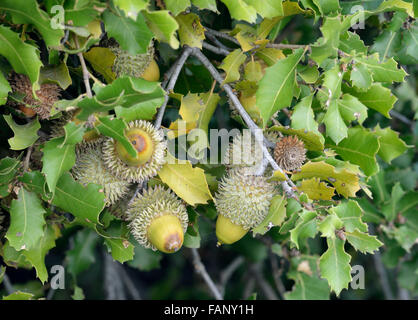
102,59
316,190
191,31
231,65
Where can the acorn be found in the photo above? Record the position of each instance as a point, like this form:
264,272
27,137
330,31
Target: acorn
150,146
47,95
138,66
243,151
290,153
90,168
158,219
242,202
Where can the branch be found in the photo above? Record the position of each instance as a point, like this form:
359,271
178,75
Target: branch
229,271
86,74
214,49
27,159
112,283
287,185
262,283
222,35
286,46
215,41
401,117
277,272
8,285
200,269
178,65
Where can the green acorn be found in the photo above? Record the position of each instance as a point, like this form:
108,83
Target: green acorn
242,202
158,219
150,145
90,168
138,66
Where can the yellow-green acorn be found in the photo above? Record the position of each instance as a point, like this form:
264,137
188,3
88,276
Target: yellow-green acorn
242,202
158,219
90,168
150,145
138,66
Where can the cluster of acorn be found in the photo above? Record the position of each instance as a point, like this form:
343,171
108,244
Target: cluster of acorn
157,217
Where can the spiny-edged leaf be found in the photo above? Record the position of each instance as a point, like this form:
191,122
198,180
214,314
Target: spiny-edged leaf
360,147
305,228
390,210
335,265
275,216
85,203
132,98
345,181
329,225
240,10
19,295
24,135
177,6
328,44
275,90
164,26
34,181
308,287
121,249
145,259
391,146
81,256
316,190
73,134
311,140
37,254
4,88
26,221
267,8
206,4
231,65
57,160
132,36
378,187
191,31
371,213
309,74
350,214
350,41
387,44
363,242
383,71
270,55
351,109
28,12
131,7
332,83
303,116
58,74
334,122
8,170
377,98
187,182
115,128
361,77
327,6
102,60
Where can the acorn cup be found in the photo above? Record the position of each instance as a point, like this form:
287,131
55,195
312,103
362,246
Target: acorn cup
29,105
90,168
138,66
242,202
290,153
150,146
158,219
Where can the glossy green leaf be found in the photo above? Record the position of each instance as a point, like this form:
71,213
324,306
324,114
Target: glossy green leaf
351,109
24,135
303,116
329,225
4,88
164,26
267,8
308,287
391,146
334,122
231,65
177,6
305,228
240,10
275,216
350,213
363,242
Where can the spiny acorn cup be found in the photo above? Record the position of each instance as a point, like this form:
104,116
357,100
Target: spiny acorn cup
150,145
158,219
90,168
30,106
290,153
242,202
138,66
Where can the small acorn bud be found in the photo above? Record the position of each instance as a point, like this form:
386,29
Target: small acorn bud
242,202
150,146
290,153
158,219
138,66
89,168
30,106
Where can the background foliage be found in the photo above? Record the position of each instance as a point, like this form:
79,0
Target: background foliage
349,94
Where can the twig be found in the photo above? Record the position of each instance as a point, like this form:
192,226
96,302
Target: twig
276,274
401,117
249,287
8,284
228,272
214,49
381,271
215,41
175,73
27,159
85,70
133,291
287,184
112,282
262,283
200,269
285,46
221,35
